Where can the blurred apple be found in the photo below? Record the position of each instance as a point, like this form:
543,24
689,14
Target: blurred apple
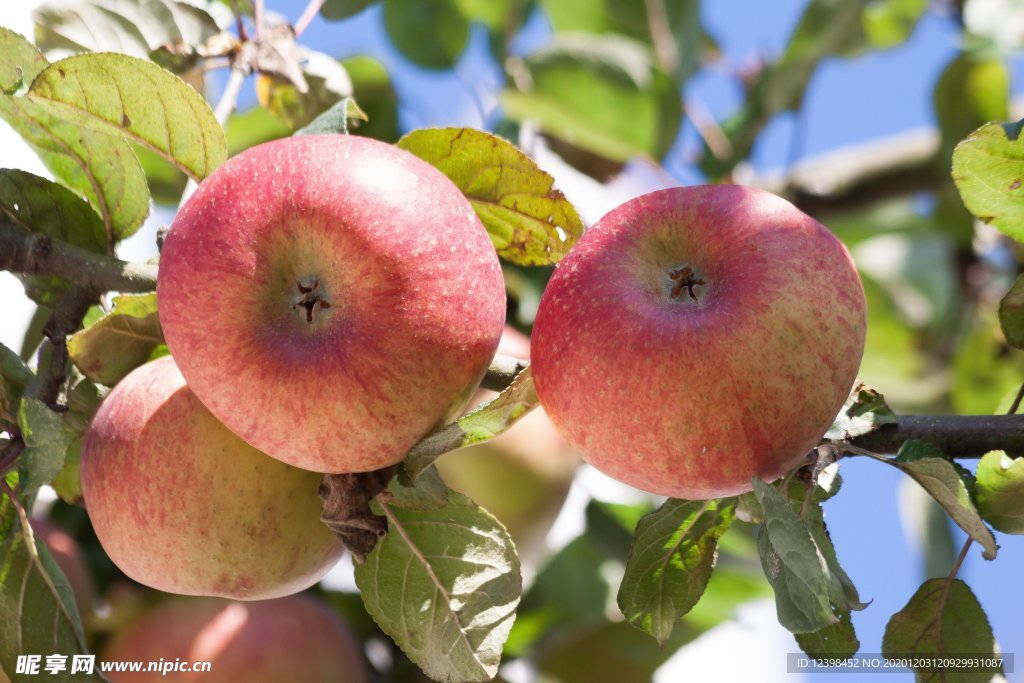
521,477
271,641
68,556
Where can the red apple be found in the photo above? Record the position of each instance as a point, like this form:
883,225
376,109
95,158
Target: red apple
697,337
181,504
272,641
331,299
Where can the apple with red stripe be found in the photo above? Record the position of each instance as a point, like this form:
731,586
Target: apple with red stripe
697,337
330,299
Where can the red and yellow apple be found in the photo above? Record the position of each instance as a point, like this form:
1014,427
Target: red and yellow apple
181,504
330,299
697,337
271,641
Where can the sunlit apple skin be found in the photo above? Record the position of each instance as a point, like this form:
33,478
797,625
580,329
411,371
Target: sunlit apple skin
692,396
181,504
271,641
331,299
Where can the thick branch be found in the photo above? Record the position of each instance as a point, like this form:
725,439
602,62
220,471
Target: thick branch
959,436
30,253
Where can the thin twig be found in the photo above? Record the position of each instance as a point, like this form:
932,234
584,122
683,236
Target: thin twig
1016,401
308,15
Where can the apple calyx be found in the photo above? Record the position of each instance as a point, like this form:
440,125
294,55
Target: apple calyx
310,298
682,278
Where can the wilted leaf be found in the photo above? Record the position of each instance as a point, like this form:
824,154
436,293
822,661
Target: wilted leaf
37,608
120,341
529,221
1011,314
126,26
603,94
444,584
792,565
670,561
41,206
943,482
1000,491
988,168
46,441
98,166
864,411
116,94
942,619
431,34
482,424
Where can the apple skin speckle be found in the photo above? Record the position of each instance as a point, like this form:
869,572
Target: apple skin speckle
691,397
415,291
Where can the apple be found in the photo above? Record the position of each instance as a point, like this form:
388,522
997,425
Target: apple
697,337
522,476
181,504
288,639
331,299
68,555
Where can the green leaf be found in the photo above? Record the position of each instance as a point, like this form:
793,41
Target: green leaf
486,422
864,411
328,84
335,10
126,26
1000,491
842,594
46,441
14,377
120,341
20,61
888,23
670,562
376,97
68,482
100,167
37,607
943,482
609,651
678,19
41,206
971,91
603,94
444,584
1011,314
792,565
431,34
428,492
125,95
988,168
942,619
836,641
529,221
